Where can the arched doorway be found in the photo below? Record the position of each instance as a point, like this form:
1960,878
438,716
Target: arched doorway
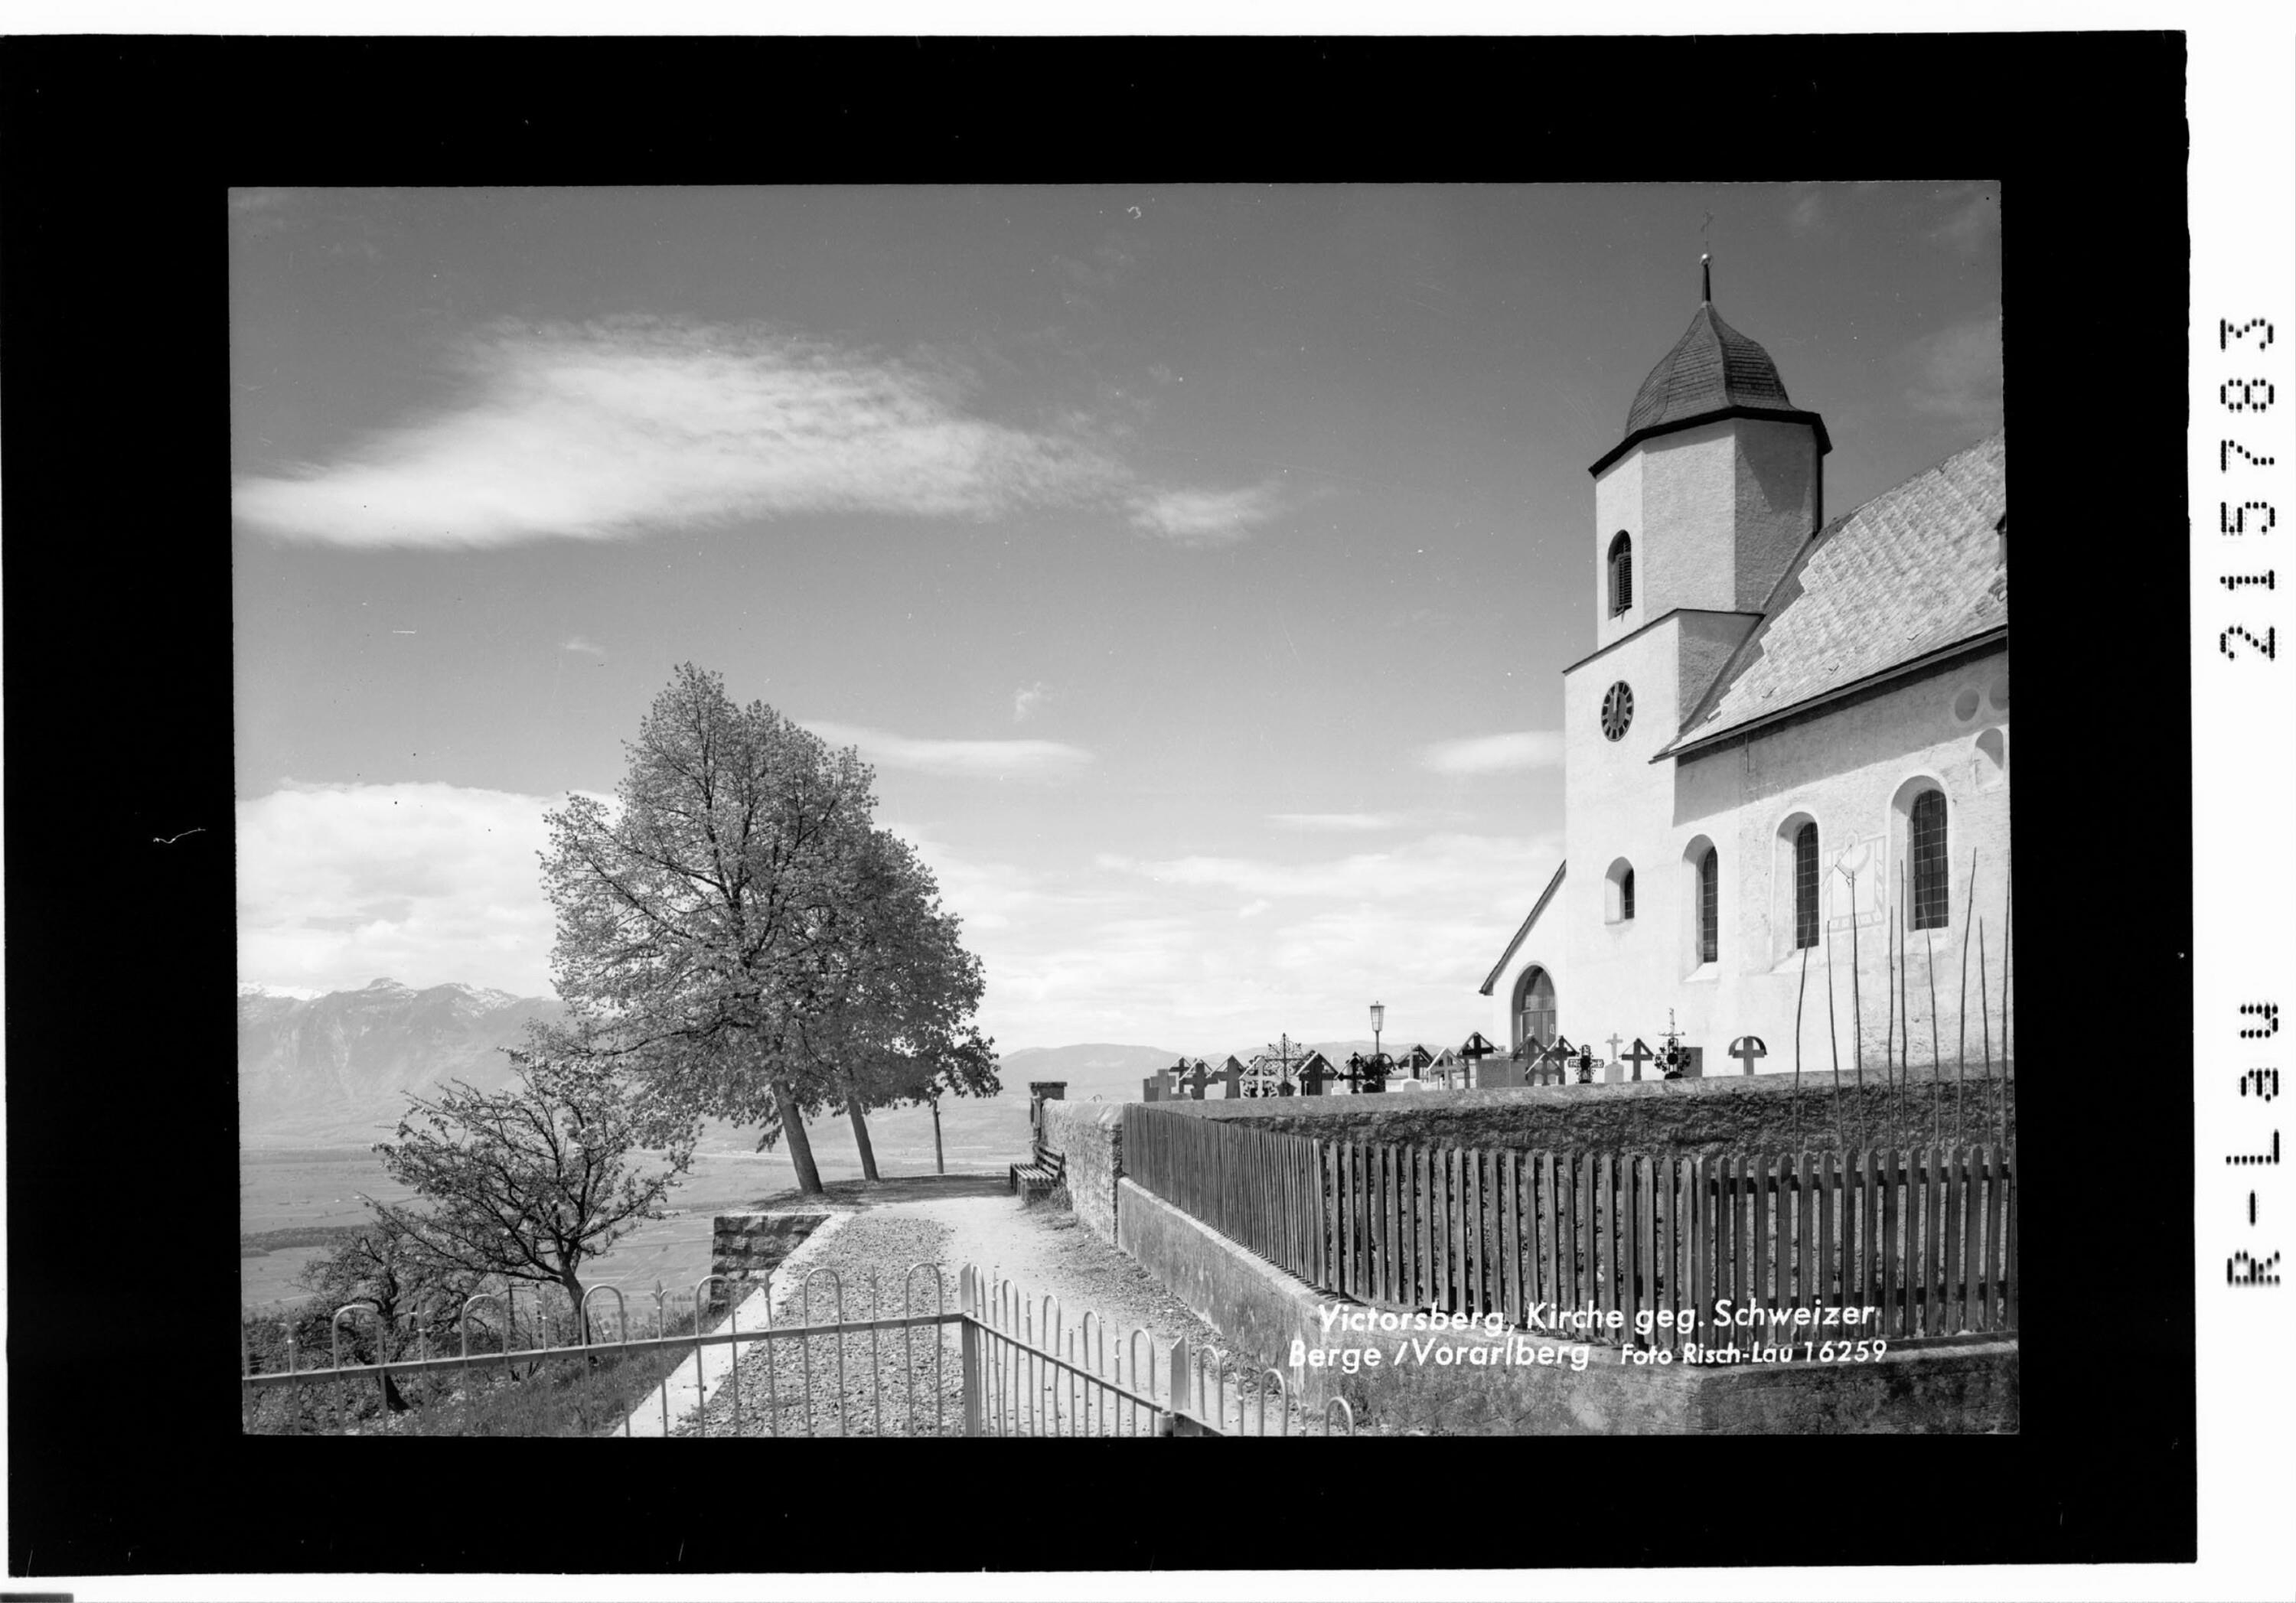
1534,1007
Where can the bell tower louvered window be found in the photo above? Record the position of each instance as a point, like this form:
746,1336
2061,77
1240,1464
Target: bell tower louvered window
1926,844
1805,881
1622,573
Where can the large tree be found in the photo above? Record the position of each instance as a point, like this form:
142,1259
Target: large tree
737,933
531,1183
897,1024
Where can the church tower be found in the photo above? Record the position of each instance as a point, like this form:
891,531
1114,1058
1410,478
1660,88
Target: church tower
1715,488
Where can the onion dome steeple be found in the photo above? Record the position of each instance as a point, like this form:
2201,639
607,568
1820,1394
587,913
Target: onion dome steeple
1713,371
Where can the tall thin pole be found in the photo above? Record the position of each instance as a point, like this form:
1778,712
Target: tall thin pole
1937,1101
1856,1013
1832,1038
1905,1009
1984,1012
2008,1084
1961,1051
1889,986
1799,992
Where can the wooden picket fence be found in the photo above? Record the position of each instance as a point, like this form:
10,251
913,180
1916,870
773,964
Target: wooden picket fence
1927,1237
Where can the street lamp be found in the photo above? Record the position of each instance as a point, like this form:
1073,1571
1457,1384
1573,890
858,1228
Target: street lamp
1378,1022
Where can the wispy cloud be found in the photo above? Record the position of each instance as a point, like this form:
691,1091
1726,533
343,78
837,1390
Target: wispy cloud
1807,214
1027,698
1494,754
614,428
1208,517
1342,822
587,647
1955,373
983,759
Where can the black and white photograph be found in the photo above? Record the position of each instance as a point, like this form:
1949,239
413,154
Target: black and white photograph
890,768
1015,785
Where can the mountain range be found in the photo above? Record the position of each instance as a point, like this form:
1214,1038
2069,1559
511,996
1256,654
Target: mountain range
338,1066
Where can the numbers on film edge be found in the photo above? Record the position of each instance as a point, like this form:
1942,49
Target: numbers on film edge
2244,396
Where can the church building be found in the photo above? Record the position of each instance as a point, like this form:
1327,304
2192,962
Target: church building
1785,752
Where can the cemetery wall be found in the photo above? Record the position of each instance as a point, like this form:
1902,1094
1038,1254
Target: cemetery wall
1261,1310
1090,1135
1657,1118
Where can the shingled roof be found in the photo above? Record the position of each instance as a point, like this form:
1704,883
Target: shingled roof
1911,574
1713,370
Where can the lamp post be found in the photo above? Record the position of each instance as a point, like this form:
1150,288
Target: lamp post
1378,1022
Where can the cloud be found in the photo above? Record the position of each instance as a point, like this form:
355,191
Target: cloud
1027,698
585,647
1955,373
1208,517
1807,215
985,759
427,883
1973,220
1494,754
1337,821
615,429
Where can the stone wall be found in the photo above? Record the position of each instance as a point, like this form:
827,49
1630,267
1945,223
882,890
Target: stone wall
1658,1118
1090,1135
745,1247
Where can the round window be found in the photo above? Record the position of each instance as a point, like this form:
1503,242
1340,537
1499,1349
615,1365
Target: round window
1618,710
1999,693
1964,706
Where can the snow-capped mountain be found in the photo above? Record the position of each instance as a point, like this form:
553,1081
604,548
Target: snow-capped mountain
343,1064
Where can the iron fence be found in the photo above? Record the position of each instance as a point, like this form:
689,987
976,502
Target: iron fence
1021,1368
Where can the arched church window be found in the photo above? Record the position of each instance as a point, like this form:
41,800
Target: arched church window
1534,1009
1622,573
1626,895
1709,894
1805,873
1926,846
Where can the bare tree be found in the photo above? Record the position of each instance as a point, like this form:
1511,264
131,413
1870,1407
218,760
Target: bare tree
533,1182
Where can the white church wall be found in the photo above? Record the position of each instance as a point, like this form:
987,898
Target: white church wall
1618,507
1853,770
1777,478
1689,504
1617,805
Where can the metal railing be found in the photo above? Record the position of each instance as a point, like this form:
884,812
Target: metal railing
1023,1368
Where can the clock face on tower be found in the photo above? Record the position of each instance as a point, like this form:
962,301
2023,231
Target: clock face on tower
1618,710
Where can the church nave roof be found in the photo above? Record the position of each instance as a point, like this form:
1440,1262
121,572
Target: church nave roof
1912,572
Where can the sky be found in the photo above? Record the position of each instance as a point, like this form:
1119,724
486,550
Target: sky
1196,566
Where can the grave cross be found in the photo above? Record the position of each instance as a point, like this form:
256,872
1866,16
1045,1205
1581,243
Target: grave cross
1197,1081
1641,1055
1746,1049
1615,1039
1312,1075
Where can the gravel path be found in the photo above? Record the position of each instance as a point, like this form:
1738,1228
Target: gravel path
1040,1250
